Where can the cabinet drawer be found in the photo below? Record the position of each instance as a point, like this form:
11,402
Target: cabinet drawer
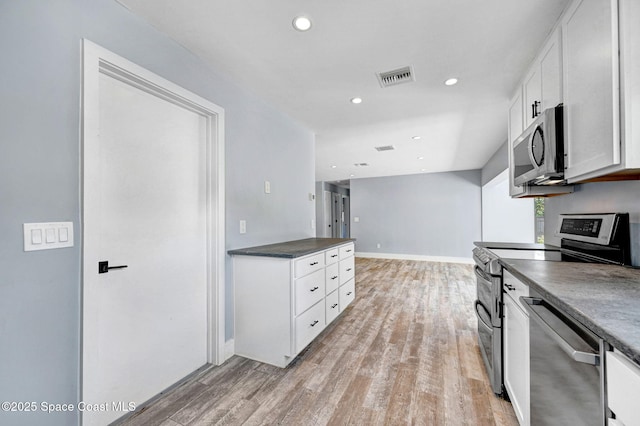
332,277
623,388
309,325
332,306
331,256
308,264
347,294
346,251
309,290
514,288
347,269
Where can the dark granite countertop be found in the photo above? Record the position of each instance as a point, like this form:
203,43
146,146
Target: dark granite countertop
515,246
604,298
292,249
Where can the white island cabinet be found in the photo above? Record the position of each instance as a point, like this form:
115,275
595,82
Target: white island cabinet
287,293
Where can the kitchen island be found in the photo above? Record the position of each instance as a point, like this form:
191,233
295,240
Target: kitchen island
287,293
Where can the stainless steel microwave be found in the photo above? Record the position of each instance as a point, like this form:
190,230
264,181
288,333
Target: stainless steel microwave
538,154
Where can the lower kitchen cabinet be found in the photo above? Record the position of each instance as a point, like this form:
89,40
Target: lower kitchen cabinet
516,347
623,389
282,303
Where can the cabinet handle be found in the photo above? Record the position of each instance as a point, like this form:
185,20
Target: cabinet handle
334,277
348,269
313,263
334,255
534,109
349,294
314,323
349,251
509,287
334,305
314,289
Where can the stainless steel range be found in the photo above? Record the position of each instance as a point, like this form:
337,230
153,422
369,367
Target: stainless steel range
595,238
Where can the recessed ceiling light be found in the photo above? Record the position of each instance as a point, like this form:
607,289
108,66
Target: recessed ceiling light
352,175
356,100
451,81
333,166
423,170
302,23
421,158
415,138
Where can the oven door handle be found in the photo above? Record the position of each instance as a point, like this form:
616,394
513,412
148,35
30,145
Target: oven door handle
481,321
576,355
481,274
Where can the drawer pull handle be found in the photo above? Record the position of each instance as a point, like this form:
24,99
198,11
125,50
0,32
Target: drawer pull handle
509,286
350,293
348,269
334,277
349,251
315,288
314,323
313,263
334,255
334,305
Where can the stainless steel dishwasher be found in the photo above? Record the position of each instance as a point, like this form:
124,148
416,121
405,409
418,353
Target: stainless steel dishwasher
567,384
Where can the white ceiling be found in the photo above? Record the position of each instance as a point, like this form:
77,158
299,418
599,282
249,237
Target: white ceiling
311,76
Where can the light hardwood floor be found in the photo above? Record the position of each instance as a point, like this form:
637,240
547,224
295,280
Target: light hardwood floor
404,353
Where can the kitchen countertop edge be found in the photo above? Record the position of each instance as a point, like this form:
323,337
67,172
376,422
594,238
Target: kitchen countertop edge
291,249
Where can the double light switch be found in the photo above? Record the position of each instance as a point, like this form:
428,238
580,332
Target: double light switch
49,235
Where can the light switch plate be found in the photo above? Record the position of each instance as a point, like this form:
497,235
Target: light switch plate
267,187
243,226
47,235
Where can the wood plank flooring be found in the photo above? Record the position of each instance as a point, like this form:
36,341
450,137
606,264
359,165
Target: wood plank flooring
404,353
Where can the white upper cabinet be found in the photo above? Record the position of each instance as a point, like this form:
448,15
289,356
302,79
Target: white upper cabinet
591,89
600,75
542,86
541,89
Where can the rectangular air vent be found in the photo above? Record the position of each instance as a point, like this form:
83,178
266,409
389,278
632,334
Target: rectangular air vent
399,76
385,148
361,164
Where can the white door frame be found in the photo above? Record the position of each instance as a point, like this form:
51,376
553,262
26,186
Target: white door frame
97,60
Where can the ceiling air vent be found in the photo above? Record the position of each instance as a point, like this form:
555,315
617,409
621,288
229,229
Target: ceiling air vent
360,164
385,148
399,76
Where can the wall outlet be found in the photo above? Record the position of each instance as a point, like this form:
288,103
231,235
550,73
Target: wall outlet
267,187
243,226
356,218
313,224
378,245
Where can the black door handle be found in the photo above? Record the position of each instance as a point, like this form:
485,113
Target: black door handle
103,267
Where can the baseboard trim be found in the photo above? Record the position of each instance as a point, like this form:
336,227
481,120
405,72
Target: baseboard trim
229,349
444,259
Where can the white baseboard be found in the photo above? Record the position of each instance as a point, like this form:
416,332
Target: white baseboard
229,349
445,259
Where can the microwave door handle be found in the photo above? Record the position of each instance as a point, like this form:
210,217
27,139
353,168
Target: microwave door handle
576,355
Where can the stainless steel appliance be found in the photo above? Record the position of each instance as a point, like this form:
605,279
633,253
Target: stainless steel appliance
596,238
566,380
538,154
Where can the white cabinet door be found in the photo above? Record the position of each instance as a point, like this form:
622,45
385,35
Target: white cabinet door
623,388
591,87
516,358
532,90
551,73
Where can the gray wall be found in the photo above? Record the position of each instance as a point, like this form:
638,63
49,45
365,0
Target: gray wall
597,197
40,81
498,162
435,214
